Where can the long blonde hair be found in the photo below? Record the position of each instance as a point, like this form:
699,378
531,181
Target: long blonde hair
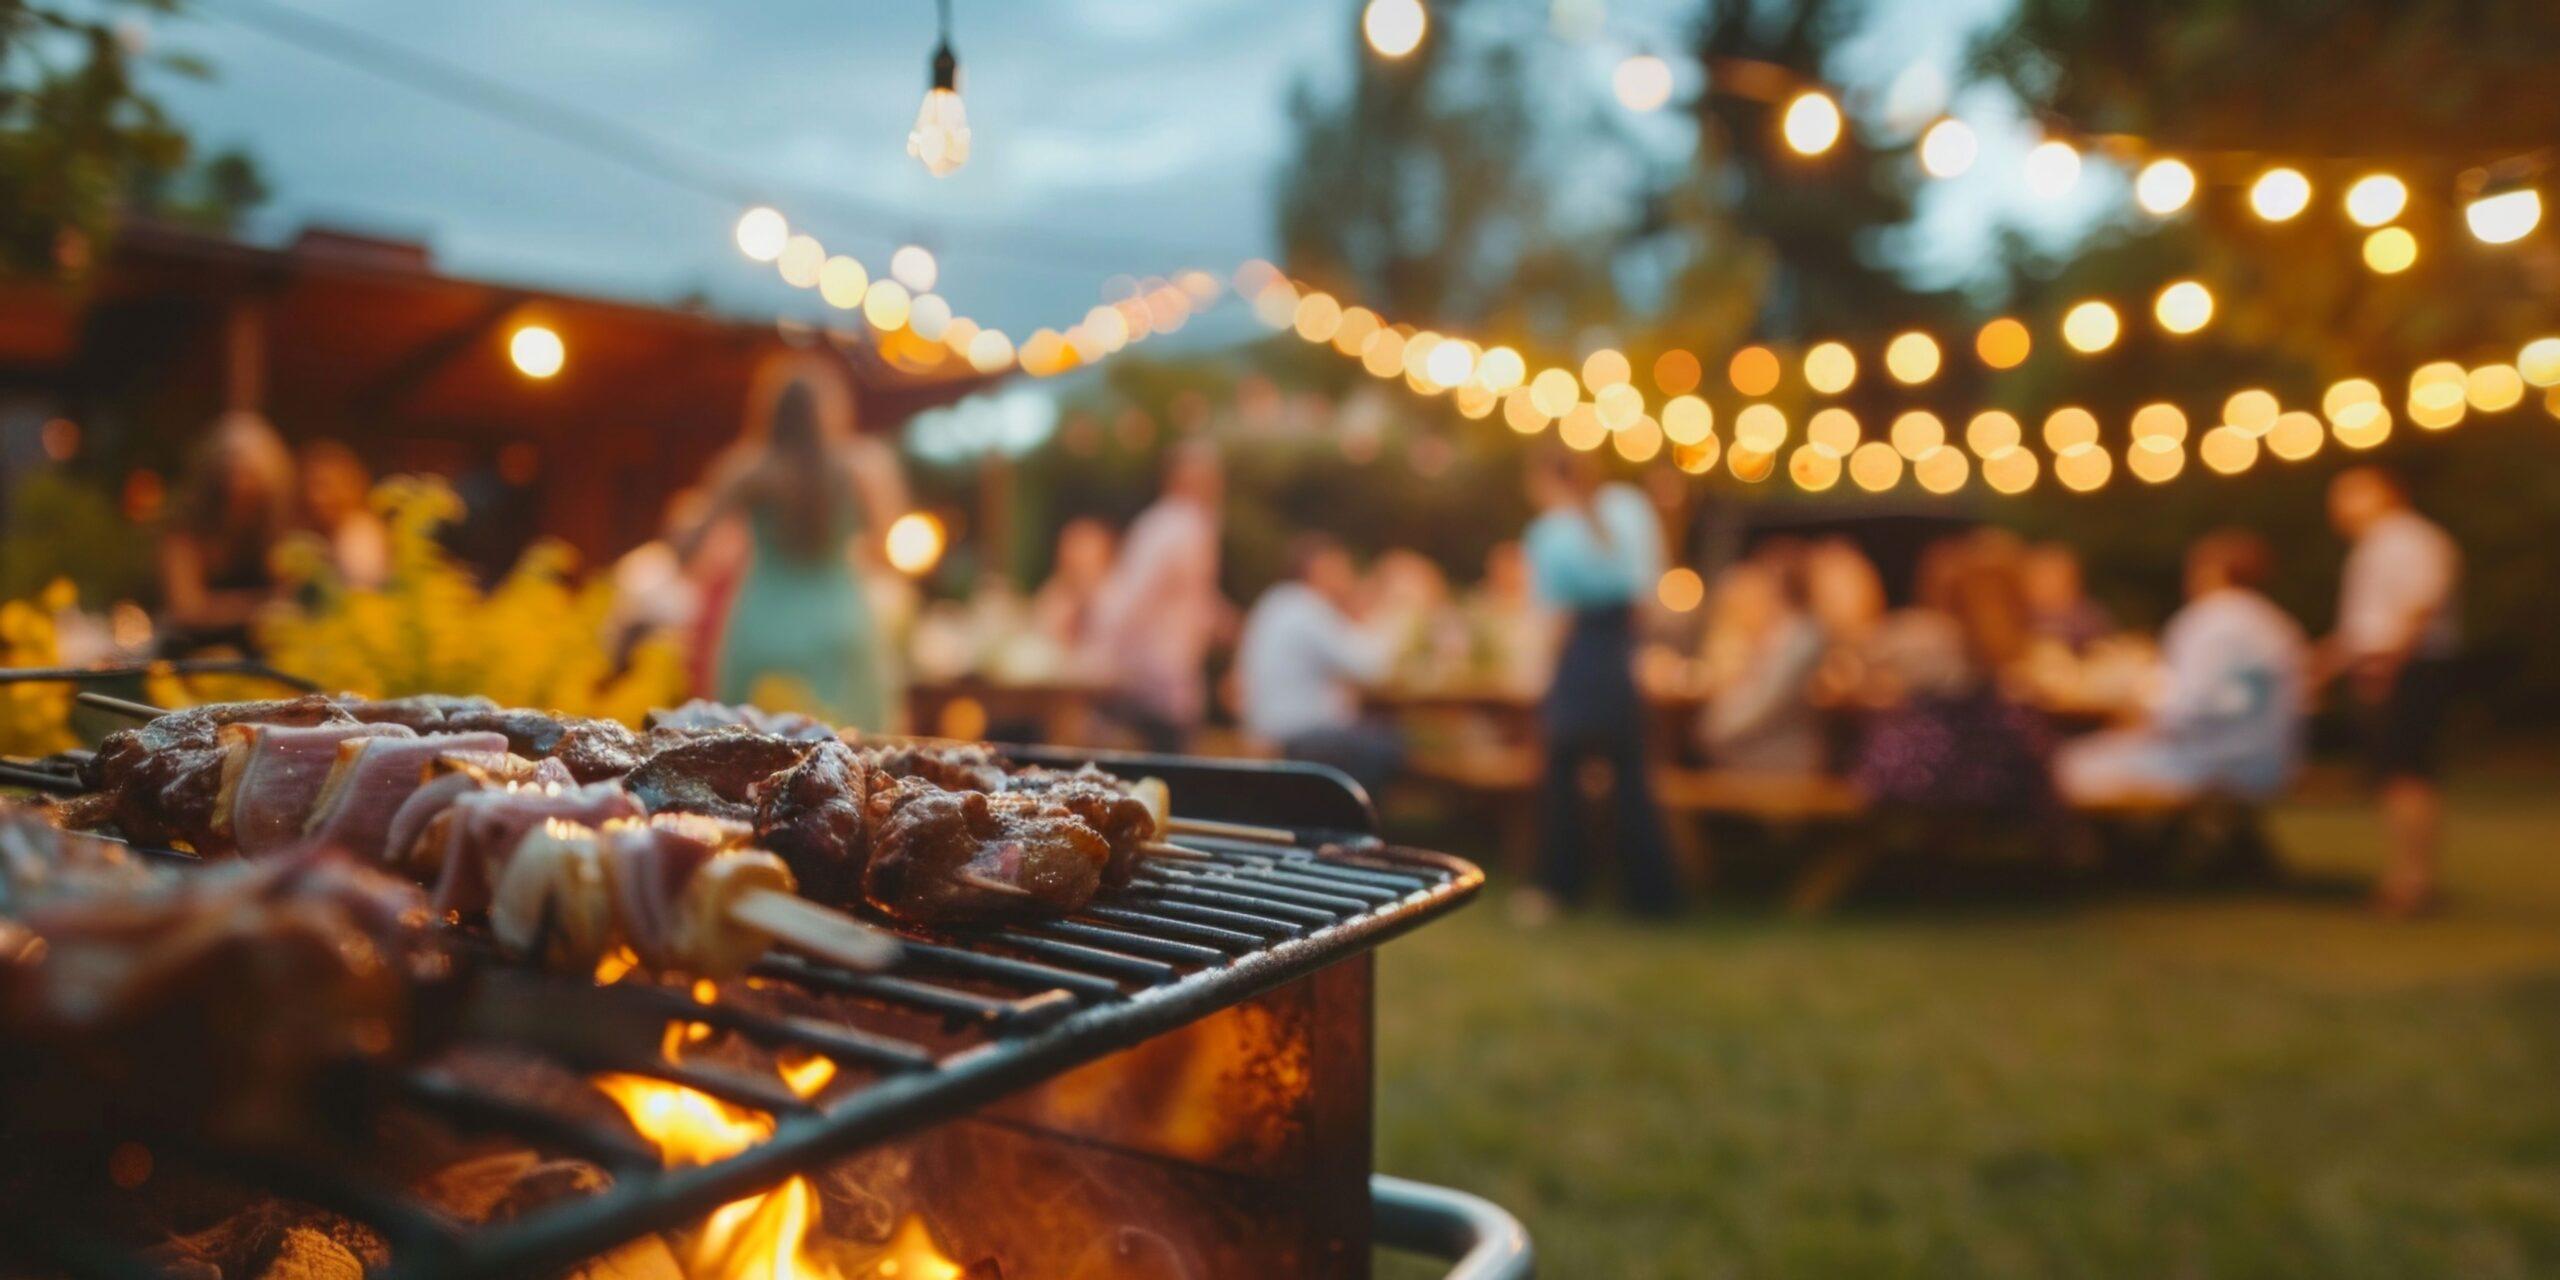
794,457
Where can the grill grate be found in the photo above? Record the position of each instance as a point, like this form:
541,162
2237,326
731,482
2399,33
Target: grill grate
982,1014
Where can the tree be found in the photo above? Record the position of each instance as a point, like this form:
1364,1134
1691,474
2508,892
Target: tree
77,130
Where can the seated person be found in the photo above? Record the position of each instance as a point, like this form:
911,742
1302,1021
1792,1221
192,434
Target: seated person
1302,662
1945,736
1767,651
2227,716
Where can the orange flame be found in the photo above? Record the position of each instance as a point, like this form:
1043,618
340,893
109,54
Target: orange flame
776,1235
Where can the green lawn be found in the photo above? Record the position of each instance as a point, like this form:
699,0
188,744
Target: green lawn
2262,1083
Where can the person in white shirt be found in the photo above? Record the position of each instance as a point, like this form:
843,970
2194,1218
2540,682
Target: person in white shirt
2396,645
1303,661
2227,714
1157,614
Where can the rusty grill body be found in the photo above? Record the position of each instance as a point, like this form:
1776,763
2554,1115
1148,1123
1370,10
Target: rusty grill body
1176,1081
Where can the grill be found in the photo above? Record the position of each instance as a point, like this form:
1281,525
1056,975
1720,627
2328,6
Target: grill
971,1026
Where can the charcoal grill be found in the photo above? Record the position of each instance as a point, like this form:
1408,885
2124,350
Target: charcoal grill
973,1026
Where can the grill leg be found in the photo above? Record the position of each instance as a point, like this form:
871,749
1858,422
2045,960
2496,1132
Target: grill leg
1482,1238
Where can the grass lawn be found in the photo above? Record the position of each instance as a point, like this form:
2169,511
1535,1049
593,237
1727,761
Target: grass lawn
2225,1083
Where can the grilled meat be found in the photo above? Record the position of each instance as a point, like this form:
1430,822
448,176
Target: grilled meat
814,815
942,856
712,773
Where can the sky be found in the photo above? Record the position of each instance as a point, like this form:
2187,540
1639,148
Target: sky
1110,136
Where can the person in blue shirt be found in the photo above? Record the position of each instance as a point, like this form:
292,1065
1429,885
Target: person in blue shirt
1594,550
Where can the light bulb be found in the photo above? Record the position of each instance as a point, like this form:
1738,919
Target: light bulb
536,350
941,136
2279,194
1394,28
2375,199
913,266
762,232
2506,217
1811,124
1948,148
2052,168
1642,83
2164,187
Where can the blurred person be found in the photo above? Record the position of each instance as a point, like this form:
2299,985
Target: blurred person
1159,610
337,494
1303,660
2227,715
1062,609
1411,605
652,591
1954,740
1760,714
235,503
1845,596
1512,634
804,488
1594,551
2396,646
2058,605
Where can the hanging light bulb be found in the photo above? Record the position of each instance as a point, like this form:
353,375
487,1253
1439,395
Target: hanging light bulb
2505,217
1394,27
941,135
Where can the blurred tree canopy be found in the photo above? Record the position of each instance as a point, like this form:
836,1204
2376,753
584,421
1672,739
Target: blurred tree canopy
82,141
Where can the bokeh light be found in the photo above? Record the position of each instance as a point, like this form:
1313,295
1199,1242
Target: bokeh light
1834,431
2091,327
2391,251
2159,421
2164,187
1992,433
1811,124
914,543
1875,467
1916,433
2184,307
1754,371
536,350
1912,358
2504,218
2004,343
1761,428
2053,168
1830,367
1606,367
1813,469
1676,372
1948,148
762,232
2068,428
1642,83
1394,28
842,281
2280,194
913,266
1681,589
1687,420
2375,199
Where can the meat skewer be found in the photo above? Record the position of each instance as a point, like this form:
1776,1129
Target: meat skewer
454,810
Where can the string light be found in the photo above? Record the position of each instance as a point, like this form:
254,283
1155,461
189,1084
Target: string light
1688,420
2250,411
2091,327
2295,436
1606,367
913,266
1829,368
2083,467
1990,434
2280,194
800,261
914,543
2069,427
2504,218
1811,124
2011,471
1394,28
537,351
762,232
1916,433
885,305
1501,369
1676,372
2228,450
2164,187
2159,423
1753,371
941,136
1833,431
1640,440
1760,428
1681,589
841,282
1949,148
2184,307
2539,362
2053,167
1875,466
1580,428
2003,344
1642,83
1813,468
1912,358
2375,199
1941,470
2390,251
2494,388
1554,392
1619,405
2157,460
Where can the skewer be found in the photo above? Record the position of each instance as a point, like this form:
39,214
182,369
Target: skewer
35,779
1167,849
120,706
813,930
1229,831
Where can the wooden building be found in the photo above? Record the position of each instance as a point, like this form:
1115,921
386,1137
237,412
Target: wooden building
362,340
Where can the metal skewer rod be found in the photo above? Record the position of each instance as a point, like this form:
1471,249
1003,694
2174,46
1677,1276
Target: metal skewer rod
1229,831
121,706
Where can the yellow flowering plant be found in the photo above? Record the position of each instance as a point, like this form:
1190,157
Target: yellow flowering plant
35,718
536,639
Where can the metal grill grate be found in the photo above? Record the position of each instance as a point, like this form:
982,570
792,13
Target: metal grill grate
1004,1009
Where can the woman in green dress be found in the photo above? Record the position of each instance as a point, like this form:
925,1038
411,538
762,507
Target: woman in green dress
800,625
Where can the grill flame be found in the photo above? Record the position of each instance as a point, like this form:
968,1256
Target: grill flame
775,1235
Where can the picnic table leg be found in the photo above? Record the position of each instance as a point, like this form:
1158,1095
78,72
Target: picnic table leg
1833,872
